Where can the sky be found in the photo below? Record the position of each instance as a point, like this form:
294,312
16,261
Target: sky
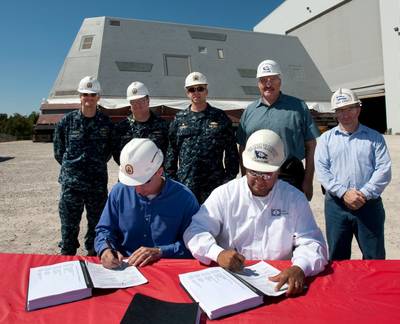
37,35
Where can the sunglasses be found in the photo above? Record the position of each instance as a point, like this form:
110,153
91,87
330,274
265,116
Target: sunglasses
263,175
194,89
89,94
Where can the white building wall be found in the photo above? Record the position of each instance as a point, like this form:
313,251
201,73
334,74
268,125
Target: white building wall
345,45
390,18
295,12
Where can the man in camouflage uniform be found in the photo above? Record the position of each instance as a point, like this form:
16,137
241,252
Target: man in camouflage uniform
82,146
143,123
202,142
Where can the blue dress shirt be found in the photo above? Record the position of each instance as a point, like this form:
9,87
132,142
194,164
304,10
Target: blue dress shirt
130,220
359,160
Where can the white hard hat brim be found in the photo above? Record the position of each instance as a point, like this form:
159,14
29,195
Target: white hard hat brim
87,91
260,75
135,97
346,104
195,83
123,178
249,163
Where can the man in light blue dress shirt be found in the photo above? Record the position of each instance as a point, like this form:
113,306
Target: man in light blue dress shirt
353,164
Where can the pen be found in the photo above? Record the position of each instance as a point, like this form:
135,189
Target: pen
113,251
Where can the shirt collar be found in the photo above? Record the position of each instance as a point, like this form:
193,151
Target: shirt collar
132,119
361,129
260,102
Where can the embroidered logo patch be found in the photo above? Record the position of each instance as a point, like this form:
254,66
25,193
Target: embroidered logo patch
129,169
262,152
261,155
276,212
267,68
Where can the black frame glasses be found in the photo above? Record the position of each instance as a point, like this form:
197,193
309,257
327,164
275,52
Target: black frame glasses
88,94
194,89
263,175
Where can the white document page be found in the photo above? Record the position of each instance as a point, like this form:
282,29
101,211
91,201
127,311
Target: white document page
257,276
55,279
125,276
215,288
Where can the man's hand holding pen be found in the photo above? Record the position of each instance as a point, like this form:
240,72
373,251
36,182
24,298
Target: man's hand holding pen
231,259
111,258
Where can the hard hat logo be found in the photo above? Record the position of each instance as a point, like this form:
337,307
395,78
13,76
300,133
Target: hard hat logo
267,68
262,152
129,169
195,77
342,98
134,91
261,155
89,85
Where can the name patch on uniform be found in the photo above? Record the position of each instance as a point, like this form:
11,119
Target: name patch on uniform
129,169
103,131
75,134
213,125
183,126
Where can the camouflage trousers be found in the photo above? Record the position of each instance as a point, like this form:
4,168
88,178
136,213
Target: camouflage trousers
72,202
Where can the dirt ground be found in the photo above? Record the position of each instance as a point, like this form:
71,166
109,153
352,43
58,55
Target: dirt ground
29,194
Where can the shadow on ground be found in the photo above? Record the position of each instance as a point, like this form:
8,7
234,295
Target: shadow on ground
6,158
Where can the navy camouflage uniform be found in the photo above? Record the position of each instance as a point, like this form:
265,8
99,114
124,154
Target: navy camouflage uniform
82,146
155,128
197,142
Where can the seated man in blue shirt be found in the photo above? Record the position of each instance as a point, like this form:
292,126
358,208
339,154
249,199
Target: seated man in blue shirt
146,214
353,164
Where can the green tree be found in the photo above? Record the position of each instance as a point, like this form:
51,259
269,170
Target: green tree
18,125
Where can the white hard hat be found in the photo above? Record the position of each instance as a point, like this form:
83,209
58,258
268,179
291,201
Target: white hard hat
264,151
195,78
89,84
268,67
136,90
140,159
344,97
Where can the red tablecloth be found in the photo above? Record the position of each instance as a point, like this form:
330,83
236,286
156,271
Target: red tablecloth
347,292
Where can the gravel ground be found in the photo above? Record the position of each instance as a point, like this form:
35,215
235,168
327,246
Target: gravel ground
29,194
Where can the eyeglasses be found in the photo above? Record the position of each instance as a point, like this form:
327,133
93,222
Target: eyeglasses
88,94
271,79
263,175
194,89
